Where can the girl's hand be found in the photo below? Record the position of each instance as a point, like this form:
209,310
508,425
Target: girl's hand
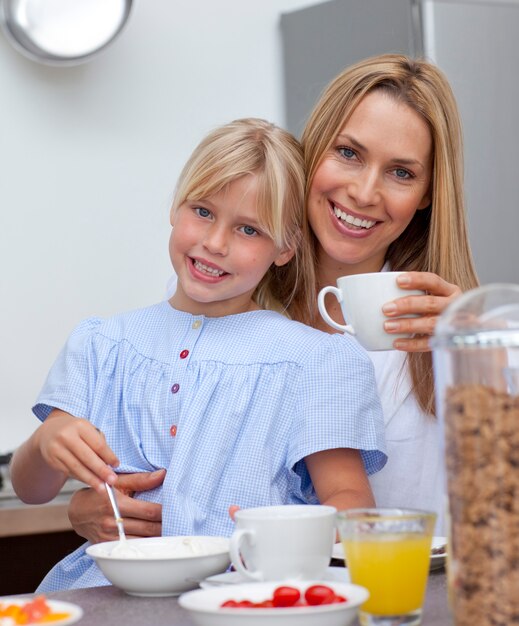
74,447
438,295
232,511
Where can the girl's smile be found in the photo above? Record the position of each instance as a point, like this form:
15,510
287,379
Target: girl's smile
204,270
370,183
220,252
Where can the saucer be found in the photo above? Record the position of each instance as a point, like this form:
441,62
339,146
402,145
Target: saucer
438,560
332,574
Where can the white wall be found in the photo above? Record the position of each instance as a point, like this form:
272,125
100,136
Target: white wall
89,158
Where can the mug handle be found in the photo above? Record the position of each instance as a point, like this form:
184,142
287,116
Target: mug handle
234,549
346,328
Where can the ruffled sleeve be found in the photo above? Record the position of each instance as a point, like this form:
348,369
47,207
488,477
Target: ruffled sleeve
71,378
338,405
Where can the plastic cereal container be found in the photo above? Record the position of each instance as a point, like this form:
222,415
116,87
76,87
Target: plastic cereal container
476,370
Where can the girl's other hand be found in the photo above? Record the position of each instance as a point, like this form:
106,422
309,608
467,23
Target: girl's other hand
76,448
438,295
232,511
92,517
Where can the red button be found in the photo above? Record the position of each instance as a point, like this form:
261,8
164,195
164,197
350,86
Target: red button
175,388
173,430
184,353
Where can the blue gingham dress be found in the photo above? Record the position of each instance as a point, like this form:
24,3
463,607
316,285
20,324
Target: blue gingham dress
230,406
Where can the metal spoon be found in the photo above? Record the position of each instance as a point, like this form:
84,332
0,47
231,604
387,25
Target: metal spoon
117,515
123,548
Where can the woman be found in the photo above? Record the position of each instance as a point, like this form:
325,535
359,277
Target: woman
384,160
383,153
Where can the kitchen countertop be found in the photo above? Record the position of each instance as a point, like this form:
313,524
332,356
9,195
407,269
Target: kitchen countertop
18,518
107,606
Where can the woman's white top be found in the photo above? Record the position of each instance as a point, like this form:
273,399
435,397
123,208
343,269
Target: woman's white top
413,476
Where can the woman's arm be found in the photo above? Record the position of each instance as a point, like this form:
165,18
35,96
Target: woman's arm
439,294
92,517
339,478
62,446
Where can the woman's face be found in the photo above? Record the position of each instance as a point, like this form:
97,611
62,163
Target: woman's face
369,185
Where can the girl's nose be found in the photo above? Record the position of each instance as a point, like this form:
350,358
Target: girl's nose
364,187
216,241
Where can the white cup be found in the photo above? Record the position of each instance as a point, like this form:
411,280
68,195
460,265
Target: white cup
361,297
294,541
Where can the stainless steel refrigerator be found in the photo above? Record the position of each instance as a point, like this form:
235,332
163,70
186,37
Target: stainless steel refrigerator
476,44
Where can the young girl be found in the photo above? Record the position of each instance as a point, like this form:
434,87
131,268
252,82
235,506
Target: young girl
238,403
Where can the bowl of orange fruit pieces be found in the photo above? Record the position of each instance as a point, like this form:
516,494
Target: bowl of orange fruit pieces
37,610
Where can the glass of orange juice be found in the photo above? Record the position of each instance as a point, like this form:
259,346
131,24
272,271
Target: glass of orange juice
388,552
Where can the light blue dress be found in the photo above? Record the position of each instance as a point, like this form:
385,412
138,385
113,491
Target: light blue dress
230,406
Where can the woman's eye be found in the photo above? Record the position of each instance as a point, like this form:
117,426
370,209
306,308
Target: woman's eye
347,153
202,211
402,174
249,231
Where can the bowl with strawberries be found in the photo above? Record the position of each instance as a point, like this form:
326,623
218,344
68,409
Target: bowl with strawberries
287,603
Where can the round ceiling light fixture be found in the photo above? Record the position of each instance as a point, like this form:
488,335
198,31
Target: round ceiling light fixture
63,32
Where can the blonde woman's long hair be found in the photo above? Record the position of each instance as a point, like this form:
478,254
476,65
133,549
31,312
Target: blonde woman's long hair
436,240
252,146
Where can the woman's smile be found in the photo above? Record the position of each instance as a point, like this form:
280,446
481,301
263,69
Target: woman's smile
351,220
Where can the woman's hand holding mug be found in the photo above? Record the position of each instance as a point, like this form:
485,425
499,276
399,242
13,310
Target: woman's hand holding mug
362,297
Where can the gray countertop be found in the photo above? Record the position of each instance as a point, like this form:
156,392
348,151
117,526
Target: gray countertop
108,606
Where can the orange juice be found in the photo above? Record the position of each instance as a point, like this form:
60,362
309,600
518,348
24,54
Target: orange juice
393,567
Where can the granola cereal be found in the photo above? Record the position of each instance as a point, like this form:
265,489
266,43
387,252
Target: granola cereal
482,461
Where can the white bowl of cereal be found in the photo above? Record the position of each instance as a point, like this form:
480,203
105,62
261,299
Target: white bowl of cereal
161,566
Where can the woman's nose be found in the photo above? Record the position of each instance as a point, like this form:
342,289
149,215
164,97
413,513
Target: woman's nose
216,240
364,188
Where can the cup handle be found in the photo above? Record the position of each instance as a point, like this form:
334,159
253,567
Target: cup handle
346,328
234,549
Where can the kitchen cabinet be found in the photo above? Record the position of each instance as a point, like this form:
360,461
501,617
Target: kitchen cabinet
32,539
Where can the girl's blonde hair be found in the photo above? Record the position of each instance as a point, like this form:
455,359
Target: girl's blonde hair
256,147
436,240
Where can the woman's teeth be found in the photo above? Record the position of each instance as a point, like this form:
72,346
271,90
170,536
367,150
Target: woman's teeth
211,271
354,221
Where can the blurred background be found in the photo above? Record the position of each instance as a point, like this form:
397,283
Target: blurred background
90,152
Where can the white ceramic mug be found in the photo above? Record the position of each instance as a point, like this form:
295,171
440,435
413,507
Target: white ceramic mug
283,542
362,297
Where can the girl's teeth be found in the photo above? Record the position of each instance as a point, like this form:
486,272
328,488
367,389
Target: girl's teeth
355,221
212,271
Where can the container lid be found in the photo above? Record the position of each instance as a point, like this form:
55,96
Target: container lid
487,316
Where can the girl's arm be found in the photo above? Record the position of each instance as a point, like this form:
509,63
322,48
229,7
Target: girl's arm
339,478
62,446
439,294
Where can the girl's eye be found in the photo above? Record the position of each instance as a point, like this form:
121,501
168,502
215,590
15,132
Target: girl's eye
249,231
202,211
403,174
347,153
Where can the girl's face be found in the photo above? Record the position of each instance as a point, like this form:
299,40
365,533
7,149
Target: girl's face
219,251
369,185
